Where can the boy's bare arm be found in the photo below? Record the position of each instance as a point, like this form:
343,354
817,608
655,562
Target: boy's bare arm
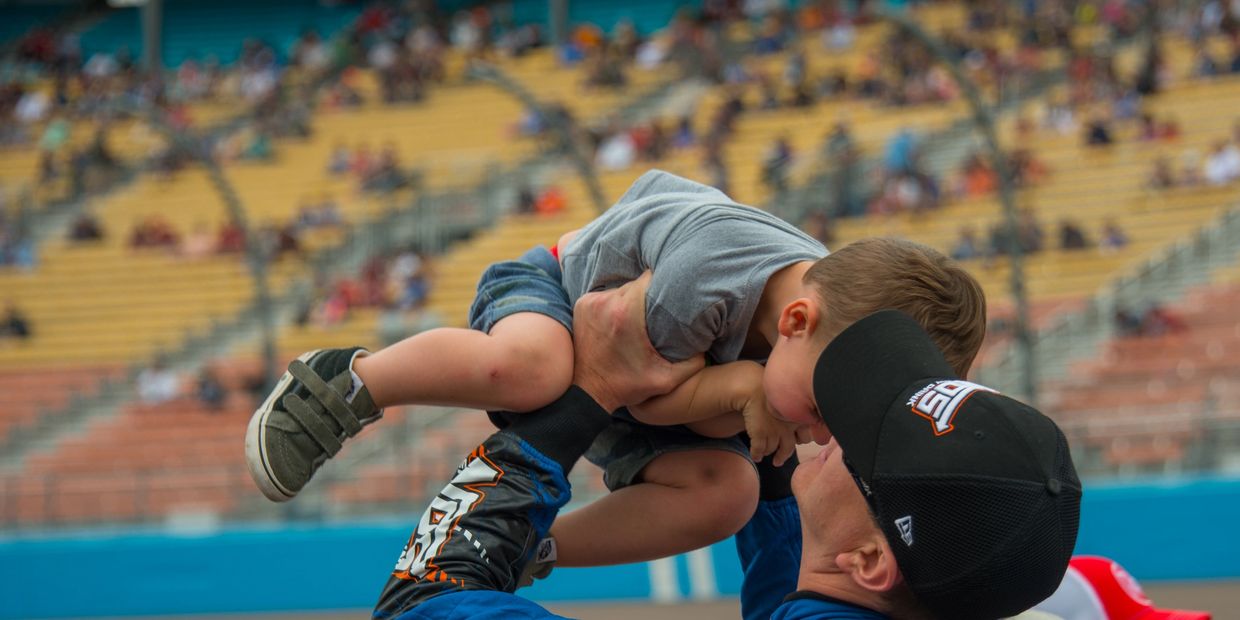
720,401
712,392
719,427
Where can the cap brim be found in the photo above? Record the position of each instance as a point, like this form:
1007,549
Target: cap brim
864,370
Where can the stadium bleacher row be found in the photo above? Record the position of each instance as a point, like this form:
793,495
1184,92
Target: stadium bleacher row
106,301
102,307
1147,402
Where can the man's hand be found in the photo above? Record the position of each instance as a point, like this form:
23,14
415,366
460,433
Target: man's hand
614,360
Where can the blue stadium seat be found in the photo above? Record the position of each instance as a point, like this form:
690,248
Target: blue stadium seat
197,29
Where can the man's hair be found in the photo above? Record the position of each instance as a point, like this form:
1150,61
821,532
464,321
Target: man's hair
903,604
880,273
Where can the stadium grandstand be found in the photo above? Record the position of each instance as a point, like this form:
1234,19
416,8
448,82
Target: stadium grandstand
195,192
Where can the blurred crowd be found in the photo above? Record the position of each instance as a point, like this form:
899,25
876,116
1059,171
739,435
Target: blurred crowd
405,44
1221,166
50,93
549,200
1031,238
397,284
1151,321
17,247
1100,104
273,239
15,325
380,172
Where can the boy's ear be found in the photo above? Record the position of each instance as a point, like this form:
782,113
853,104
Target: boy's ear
872,565
800,317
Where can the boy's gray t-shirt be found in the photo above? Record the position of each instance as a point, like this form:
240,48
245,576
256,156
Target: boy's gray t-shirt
711,258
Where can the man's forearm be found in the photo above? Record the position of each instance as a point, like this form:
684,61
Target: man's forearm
769,545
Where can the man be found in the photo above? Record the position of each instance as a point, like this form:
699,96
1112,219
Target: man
936,498
942,499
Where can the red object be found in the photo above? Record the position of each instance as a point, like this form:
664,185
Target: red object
1102,585
550,202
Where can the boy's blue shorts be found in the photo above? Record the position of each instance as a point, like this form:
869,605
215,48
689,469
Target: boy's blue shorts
534,283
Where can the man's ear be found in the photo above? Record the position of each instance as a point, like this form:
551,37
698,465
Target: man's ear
871,566
800,317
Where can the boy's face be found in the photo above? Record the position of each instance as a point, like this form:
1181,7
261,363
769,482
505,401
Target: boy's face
788,380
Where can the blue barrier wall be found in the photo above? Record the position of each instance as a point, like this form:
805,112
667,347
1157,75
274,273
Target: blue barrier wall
1165,529
1158,530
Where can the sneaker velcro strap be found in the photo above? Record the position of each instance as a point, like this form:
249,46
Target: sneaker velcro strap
331,400
305,415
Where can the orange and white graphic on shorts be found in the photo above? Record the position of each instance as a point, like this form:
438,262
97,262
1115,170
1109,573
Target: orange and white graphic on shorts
939,402
439,523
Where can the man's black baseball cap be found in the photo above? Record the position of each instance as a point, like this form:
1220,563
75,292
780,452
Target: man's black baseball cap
975,492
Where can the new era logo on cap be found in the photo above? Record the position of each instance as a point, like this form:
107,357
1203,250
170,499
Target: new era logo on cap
939,402
905,525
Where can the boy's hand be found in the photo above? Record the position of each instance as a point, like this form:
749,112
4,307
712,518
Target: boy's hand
767,434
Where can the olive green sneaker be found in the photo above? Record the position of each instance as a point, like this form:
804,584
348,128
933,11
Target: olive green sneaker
314,408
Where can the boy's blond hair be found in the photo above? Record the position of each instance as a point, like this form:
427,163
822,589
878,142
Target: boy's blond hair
875,274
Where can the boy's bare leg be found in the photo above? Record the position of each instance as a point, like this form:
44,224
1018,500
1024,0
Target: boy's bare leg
685,500
525,362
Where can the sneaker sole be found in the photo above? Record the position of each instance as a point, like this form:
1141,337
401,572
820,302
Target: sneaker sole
255,447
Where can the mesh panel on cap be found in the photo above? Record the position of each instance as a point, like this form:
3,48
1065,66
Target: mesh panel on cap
1003,587
982,548
954,517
